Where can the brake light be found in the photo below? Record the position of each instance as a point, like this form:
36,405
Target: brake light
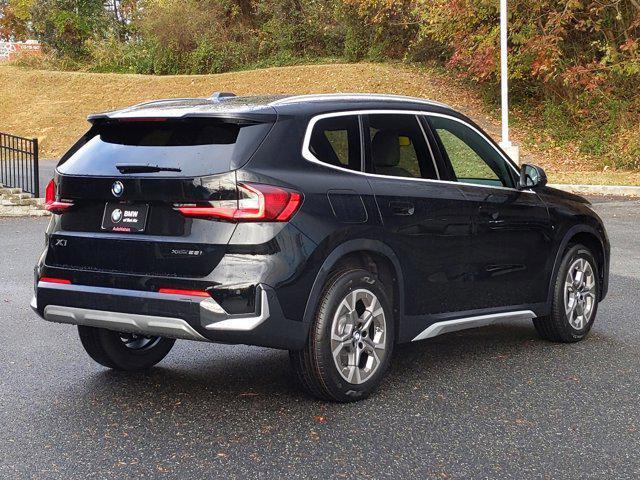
141,119
178,291
50,202
63,281
256,202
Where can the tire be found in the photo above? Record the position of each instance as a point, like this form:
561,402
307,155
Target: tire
564,324
110,349
362,335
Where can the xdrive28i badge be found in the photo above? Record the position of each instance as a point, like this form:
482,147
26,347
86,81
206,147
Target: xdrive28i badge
117,188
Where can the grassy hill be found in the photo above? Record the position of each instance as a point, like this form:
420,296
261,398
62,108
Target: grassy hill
53,105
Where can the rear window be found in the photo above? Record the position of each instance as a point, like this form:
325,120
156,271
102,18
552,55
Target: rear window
196,147
336,141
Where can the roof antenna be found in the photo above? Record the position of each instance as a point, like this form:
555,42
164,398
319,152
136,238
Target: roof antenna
217,96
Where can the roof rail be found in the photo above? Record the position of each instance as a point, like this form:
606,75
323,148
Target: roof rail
217,96
354,96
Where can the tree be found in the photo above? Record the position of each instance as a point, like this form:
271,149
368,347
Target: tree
66,25
15,19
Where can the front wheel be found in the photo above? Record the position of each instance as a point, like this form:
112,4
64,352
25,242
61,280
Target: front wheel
575,298
350,341
123,351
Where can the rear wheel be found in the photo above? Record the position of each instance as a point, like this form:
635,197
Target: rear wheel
575,298
123,351
350,341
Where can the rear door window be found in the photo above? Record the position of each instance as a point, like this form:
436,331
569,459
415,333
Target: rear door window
191,147
399,147
336,141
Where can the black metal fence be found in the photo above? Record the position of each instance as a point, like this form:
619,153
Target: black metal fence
19,163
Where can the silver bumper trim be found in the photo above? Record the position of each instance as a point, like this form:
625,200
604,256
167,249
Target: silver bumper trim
235,323
123,322
472,322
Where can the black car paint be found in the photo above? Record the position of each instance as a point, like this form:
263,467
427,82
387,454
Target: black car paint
464,250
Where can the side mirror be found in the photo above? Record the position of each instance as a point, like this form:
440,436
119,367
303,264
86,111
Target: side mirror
532,176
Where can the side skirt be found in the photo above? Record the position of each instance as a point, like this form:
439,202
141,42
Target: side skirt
448,326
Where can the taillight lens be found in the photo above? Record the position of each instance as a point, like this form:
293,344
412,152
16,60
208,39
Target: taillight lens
180,291
62,281
256,202
50,202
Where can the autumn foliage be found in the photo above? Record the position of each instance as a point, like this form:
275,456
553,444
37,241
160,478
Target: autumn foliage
576,60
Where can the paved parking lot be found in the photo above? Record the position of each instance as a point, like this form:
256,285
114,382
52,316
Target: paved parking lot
485,403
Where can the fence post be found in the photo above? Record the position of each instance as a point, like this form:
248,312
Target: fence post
36,170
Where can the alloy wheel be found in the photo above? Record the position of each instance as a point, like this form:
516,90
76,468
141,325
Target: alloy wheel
579,293
134,341
358,336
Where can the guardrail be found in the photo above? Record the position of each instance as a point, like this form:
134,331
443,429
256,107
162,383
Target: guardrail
19,163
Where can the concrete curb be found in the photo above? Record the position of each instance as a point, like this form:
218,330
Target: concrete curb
614,190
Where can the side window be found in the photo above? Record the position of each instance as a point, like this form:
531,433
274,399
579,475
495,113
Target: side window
398,147
473,159
336,141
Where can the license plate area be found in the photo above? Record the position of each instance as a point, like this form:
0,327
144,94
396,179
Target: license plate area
127,218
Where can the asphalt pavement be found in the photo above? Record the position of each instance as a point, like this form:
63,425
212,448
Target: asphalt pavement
496,402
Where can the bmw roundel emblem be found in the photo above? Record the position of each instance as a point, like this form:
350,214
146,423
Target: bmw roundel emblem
117,189
116,215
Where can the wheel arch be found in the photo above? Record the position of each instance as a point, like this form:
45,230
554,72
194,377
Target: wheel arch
367,253
590,238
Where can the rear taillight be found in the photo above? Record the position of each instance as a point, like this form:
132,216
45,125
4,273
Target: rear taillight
180,291
53,205
256,203
62,281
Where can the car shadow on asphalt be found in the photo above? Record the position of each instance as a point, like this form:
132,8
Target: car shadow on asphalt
210,377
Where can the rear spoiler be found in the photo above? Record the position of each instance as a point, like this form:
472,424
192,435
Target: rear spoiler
231,117
220,105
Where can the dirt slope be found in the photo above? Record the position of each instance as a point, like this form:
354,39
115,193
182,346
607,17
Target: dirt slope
53,105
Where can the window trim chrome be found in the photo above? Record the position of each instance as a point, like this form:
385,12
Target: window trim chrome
307,155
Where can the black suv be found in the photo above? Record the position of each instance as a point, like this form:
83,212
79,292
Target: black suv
332,226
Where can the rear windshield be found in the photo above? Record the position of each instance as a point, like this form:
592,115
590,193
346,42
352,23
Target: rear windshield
195,147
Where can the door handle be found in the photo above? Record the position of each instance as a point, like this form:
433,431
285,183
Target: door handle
402,208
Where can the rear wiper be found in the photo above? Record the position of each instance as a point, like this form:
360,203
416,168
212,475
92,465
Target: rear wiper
132,168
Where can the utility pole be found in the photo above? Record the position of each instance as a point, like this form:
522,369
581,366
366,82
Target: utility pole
512,150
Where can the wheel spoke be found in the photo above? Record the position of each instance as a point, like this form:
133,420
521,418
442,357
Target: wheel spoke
357,377
354,300
374,304
346,325
367,317
352,373
344,305
578,322
357,355
371,350
373,346
338,349
578,279
571,306
589,284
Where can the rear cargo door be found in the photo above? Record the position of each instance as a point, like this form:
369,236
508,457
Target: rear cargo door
125,179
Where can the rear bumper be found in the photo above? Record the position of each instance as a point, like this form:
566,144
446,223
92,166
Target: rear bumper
174,316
